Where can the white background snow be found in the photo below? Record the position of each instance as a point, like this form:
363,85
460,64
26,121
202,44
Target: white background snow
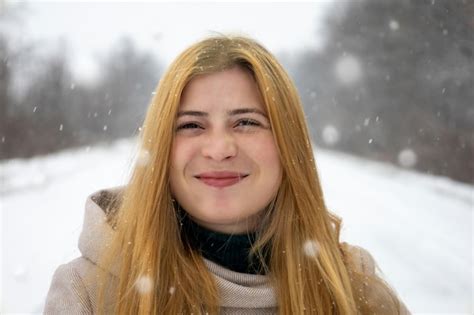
418,227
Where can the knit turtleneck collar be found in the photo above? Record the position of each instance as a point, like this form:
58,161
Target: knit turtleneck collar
228,250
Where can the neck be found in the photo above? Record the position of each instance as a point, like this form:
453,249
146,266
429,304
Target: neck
228,250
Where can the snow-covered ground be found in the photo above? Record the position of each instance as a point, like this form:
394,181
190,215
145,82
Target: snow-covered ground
418,227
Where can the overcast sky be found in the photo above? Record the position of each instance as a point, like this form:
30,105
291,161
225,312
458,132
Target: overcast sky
167,28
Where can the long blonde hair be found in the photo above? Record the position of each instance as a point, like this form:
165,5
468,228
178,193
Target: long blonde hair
148,241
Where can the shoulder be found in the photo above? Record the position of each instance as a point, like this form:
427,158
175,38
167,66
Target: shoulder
360,258
67,292
379,292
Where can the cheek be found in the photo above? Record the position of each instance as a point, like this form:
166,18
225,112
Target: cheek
181,153
179,160
268,161
268,154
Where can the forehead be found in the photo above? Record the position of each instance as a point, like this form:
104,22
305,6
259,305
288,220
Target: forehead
224,90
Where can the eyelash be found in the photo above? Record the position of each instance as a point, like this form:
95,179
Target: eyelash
247,122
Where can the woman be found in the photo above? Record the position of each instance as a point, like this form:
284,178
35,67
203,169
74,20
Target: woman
224,212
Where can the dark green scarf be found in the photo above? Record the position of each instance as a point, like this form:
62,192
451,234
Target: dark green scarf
227,250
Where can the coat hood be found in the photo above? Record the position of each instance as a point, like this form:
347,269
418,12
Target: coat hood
97,233
235,287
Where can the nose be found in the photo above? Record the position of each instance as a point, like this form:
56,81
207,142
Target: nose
219,146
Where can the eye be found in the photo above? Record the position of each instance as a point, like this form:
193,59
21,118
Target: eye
246,122
190,125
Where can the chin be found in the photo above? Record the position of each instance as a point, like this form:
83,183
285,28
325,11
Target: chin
224,217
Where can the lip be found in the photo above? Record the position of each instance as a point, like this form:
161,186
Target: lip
221,178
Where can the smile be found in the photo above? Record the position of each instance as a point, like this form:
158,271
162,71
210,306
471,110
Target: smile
221,179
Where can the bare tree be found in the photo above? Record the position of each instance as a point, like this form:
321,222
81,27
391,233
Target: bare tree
397,76
53,112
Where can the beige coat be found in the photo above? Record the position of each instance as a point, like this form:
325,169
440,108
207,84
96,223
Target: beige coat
71,293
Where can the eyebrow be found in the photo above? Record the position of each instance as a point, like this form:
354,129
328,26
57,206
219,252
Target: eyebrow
233,112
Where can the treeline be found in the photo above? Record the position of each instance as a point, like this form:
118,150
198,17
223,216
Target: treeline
394,82
43,108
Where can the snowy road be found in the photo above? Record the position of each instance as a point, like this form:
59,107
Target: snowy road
418,227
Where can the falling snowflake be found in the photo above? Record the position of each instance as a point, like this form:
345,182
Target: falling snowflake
144,284
143,157
20,274
407,158
172,290
311,248
348,69
330,135
394,25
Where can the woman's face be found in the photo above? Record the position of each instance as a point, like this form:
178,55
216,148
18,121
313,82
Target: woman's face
225,167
